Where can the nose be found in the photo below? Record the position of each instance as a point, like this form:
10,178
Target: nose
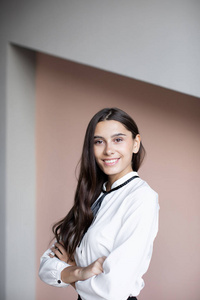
109,150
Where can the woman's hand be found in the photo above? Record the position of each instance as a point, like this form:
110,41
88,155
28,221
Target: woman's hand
74,273
60,252
93,269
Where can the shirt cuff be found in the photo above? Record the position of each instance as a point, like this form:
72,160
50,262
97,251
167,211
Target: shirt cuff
50,270
59,282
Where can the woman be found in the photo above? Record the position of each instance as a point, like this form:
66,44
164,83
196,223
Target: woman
104,244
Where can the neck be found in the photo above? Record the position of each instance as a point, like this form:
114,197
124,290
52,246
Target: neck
108,186
113,178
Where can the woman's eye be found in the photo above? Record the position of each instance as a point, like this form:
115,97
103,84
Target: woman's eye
118,140
98,142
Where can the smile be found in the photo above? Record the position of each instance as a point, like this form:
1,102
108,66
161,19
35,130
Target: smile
111,162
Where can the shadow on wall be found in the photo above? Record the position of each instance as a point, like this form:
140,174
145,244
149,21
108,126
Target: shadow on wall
67,96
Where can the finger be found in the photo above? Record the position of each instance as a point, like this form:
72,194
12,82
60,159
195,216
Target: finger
101,259
98,266
53,249
57,253
60,247
57,247
51,254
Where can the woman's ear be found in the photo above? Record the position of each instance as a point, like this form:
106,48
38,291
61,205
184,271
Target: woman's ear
136,145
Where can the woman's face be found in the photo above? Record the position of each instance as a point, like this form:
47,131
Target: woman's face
113,149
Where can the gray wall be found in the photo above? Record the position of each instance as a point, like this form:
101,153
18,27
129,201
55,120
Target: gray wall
20,175
153,41
2,172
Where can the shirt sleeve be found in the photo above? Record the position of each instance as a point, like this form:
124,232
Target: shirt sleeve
50,270
131,254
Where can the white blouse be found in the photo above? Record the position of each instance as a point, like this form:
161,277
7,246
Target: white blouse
123,231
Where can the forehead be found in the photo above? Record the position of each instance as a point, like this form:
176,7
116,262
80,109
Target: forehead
109,127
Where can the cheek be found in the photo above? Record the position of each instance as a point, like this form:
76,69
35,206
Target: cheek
96,152
129,152
131,147
128,149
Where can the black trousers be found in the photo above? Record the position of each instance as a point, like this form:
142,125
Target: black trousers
129,298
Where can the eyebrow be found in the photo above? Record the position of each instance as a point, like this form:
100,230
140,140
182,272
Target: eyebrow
114,135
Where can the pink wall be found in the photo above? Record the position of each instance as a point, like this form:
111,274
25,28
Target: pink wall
68,94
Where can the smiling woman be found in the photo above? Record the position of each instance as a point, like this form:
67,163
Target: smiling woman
114,146
104,244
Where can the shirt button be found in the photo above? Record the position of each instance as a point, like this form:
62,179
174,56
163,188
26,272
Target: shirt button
59,281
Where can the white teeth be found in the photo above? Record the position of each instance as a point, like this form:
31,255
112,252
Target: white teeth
111,161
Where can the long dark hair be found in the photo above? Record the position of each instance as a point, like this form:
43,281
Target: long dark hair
71,229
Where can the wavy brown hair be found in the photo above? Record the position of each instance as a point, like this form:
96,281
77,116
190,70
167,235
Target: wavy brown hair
71,228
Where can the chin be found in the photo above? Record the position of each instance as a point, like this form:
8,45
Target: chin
111,173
